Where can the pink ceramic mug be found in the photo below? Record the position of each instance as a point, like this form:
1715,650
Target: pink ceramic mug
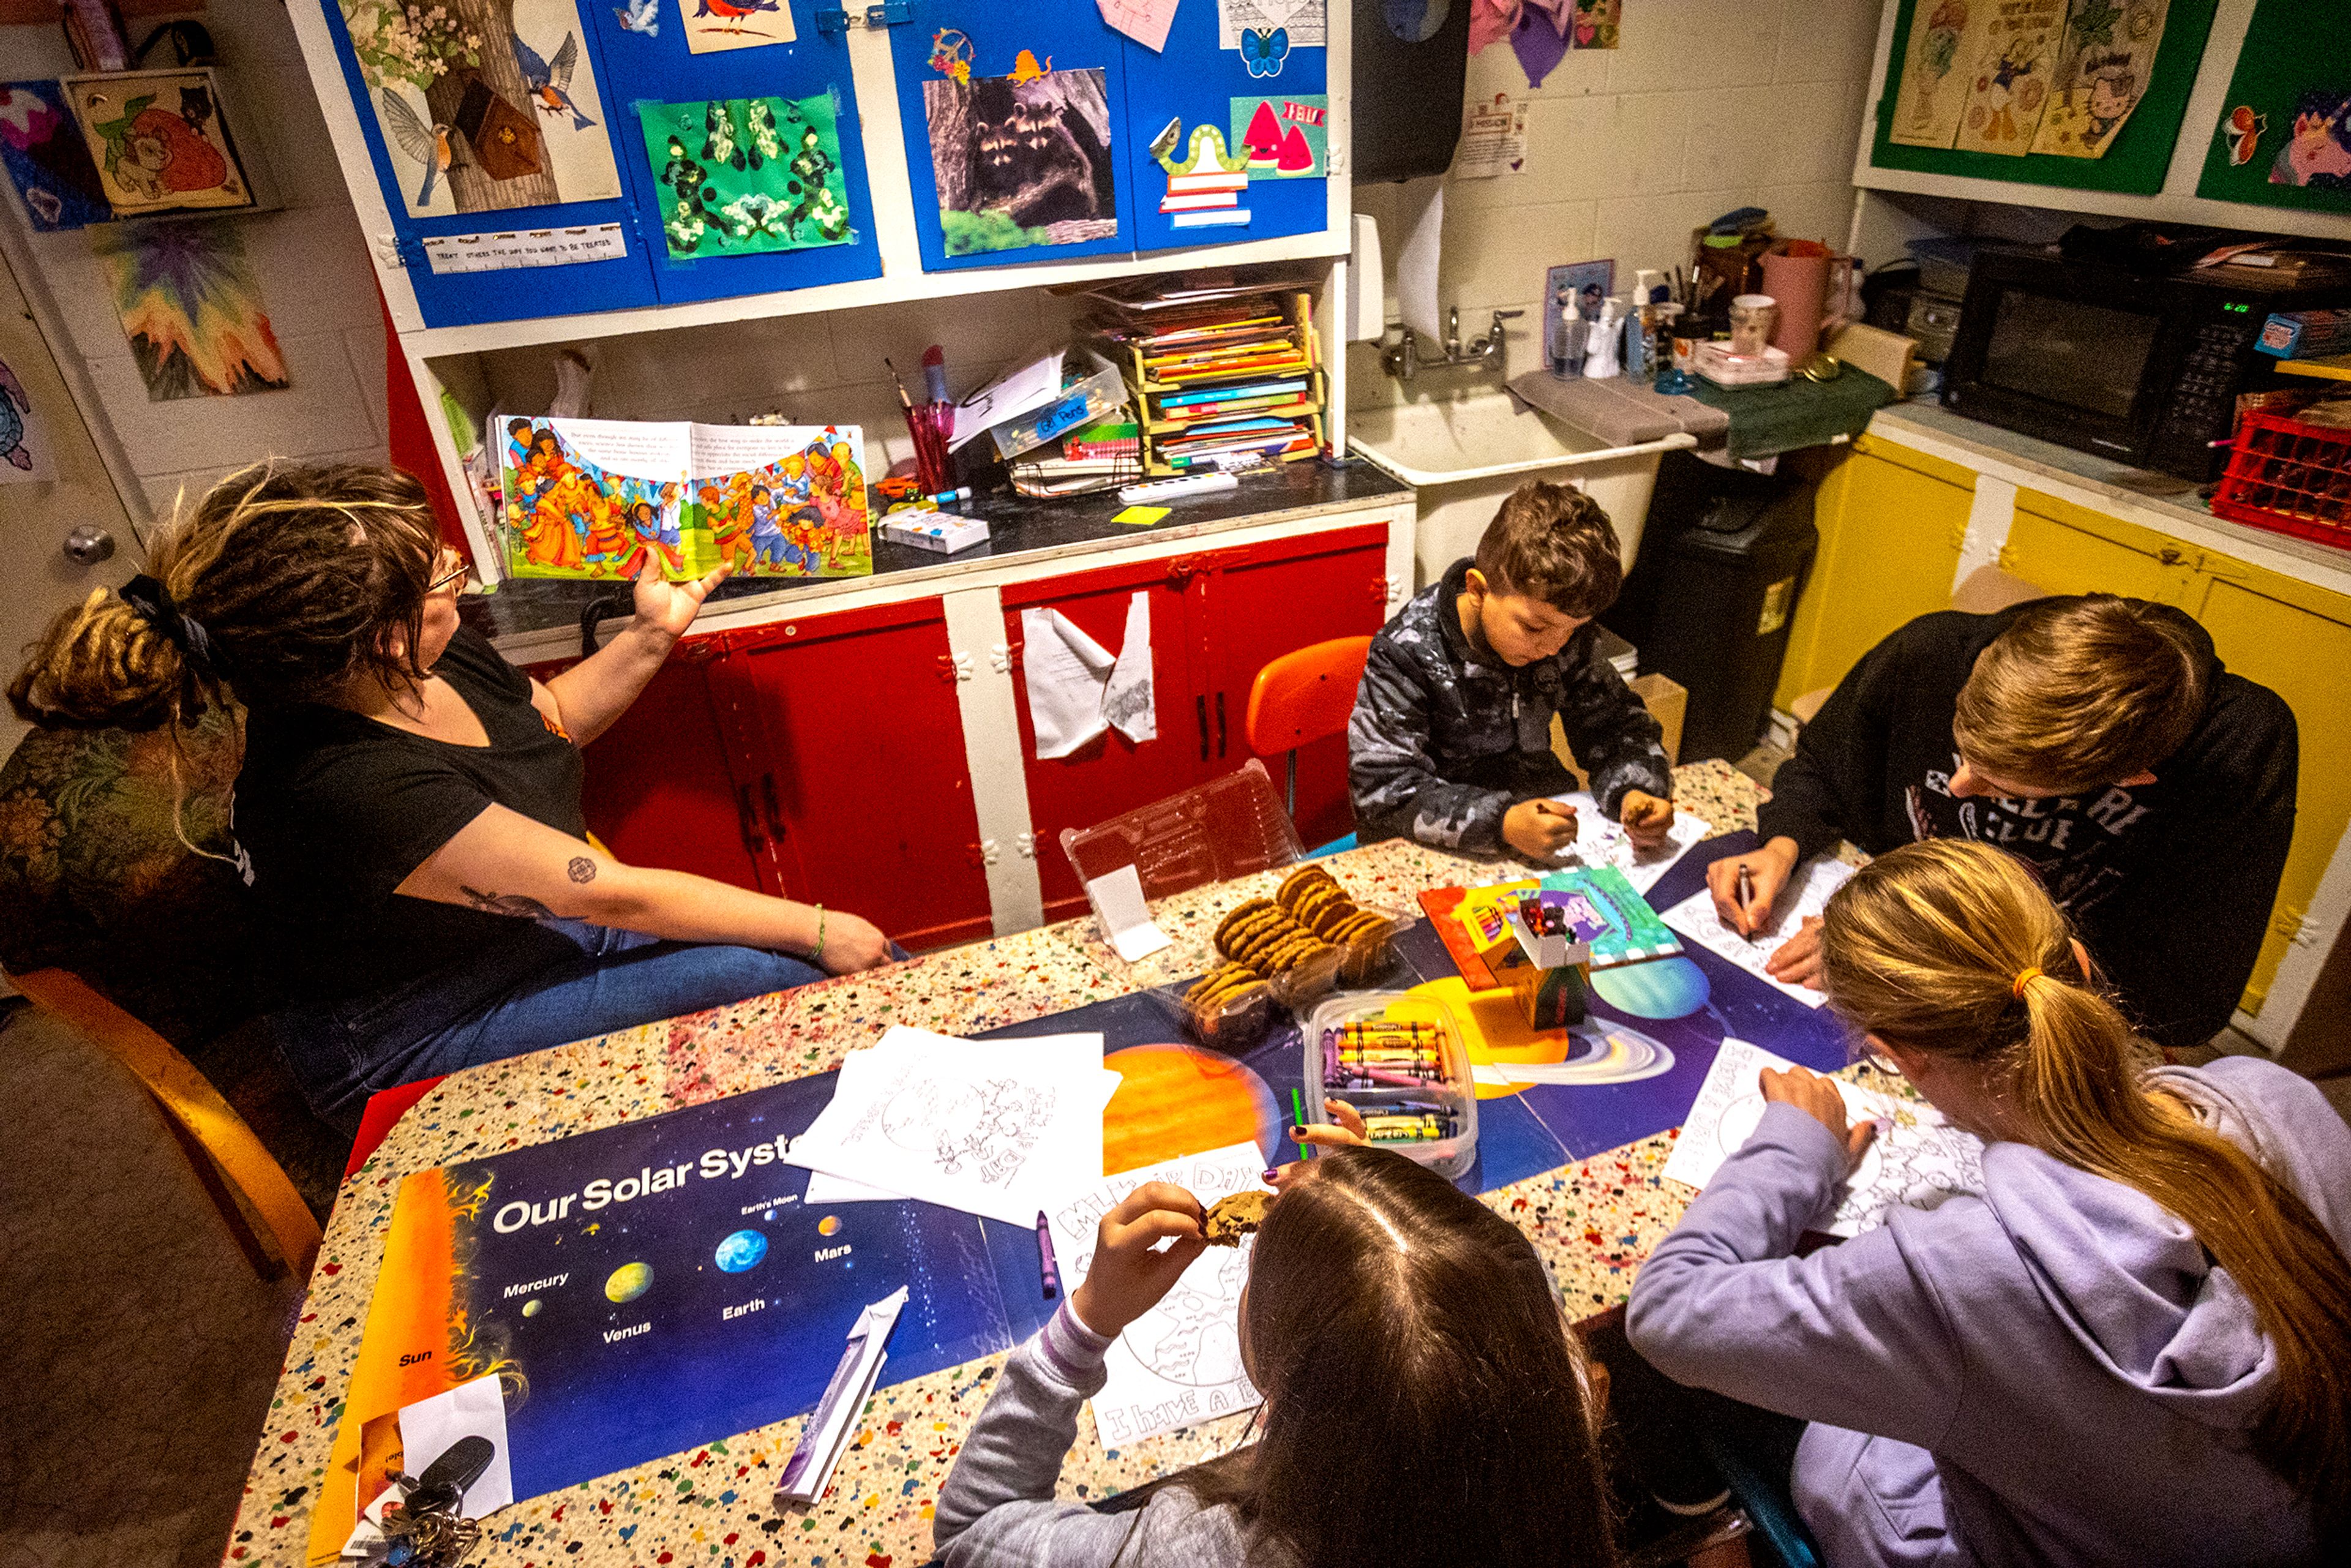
1810,289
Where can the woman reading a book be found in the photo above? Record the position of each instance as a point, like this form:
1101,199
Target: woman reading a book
409,805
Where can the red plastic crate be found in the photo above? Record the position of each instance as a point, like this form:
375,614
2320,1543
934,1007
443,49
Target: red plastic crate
2289,477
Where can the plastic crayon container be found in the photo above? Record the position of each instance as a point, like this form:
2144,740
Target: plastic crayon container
1398,1060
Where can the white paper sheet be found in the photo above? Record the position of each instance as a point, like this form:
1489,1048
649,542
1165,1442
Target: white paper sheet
1599,841
1078,688
827,1191
1417,268
1066,673
1180,1362
1807,894
1917,1159
1125,917
1011,395
430,1427
1144,21
1129,701
808,1472
1303,20
998,1128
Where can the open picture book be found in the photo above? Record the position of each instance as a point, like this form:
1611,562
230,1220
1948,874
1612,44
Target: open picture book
600,497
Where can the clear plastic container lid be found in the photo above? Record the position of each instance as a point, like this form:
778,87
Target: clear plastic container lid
1410,1081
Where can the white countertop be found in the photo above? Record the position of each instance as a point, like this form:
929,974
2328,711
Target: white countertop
2107,487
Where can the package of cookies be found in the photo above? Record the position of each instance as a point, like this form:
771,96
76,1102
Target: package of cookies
1398,1060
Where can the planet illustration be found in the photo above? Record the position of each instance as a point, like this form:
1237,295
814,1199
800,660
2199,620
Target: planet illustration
828,1226
628,1282
530,1308
1174,1100
740,1251
1666,988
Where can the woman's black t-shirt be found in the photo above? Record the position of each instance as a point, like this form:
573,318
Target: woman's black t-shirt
335,809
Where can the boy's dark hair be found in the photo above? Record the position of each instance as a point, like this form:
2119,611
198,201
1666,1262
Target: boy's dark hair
1553,542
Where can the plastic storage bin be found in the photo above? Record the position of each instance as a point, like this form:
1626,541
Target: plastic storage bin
2289,477
1092,389
1442,1087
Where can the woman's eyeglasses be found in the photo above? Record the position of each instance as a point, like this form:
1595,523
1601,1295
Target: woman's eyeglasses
450,573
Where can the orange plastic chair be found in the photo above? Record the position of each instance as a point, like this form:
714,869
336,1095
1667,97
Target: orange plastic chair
1301,697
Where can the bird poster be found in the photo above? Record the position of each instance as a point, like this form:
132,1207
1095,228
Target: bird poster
485,105
740,176
714,24
189,304
1022,160
159,142
2103,68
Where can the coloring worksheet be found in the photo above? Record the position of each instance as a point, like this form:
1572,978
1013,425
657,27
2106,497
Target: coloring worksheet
1003,1129
1805,896
1180,1362
1600,842
1917,1158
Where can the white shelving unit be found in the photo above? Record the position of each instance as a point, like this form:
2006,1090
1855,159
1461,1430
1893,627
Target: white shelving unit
449,357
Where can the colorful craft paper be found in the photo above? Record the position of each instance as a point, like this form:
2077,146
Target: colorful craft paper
740,176
1284,138
159,142
714,24
191,307
47,158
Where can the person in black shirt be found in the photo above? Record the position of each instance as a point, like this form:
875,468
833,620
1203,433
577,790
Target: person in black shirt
408,806
2098,740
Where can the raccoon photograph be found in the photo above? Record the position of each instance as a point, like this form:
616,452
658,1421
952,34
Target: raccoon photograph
1022,160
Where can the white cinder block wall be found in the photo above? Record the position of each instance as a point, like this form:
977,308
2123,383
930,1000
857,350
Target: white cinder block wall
309,259
1708,105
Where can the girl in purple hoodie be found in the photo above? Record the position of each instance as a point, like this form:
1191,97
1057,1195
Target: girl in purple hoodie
2134,1347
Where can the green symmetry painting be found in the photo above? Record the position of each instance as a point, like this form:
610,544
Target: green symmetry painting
740,176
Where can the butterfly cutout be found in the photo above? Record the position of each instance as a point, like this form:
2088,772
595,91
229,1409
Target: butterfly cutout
1263,53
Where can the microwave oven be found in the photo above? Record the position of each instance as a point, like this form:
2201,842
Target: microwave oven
2142,368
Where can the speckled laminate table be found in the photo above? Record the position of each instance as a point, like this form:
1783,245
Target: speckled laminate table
714,1507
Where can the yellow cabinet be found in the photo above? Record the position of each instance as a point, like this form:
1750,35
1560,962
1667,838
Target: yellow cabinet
2296,640
2066,548
1891,523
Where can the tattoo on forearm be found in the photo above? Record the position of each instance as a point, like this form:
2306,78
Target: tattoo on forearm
582,869
511,903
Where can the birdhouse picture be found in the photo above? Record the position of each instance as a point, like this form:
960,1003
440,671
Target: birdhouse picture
483,105
160,142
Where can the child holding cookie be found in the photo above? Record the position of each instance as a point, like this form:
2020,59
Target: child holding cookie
1394,1327
1451,741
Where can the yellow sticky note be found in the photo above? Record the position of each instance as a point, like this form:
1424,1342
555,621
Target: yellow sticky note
1141,515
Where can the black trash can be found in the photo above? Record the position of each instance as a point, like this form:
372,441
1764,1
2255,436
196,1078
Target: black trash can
1723,556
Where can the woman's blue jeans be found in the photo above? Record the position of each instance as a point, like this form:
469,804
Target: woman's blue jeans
559,980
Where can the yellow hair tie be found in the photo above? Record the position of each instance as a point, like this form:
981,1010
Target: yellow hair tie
2025,978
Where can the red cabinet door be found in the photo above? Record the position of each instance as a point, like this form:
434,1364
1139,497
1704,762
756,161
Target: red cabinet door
1266,599
659,791
853,755
1111,774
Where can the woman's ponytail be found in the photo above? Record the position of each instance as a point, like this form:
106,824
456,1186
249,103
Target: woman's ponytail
106,665
1952,949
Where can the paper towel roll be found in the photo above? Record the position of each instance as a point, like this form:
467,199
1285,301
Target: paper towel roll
1366,285
1416,264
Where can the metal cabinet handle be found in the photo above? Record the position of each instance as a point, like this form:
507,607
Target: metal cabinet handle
1220,723
751,840
1201,709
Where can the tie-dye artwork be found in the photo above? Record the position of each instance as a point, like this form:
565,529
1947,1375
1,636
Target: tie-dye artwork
191,307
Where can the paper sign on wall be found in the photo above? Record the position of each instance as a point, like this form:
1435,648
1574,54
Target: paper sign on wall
2104,65
23,453
1144,21
1300,19
714,24
1180,1362
2011,86
1946,37
1285,138
1493,140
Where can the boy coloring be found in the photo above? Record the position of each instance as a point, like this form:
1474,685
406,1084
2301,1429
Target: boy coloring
1451,741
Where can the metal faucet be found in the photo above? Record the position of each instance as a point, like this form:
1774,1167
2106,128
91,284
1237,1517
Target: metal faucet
1403,359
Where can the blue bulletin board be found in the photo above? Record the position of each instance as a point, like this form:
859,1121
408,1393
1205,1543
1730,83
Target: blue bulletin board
1266,101
791,227
1014,117
409,81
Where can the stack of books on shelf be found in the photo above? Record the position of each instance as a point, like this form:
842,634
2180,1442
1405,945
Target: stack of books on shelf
1219,377
1092,458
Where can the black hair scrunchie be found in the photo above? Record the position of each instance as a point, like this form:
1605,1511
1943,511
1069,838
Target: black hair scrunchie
152,602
